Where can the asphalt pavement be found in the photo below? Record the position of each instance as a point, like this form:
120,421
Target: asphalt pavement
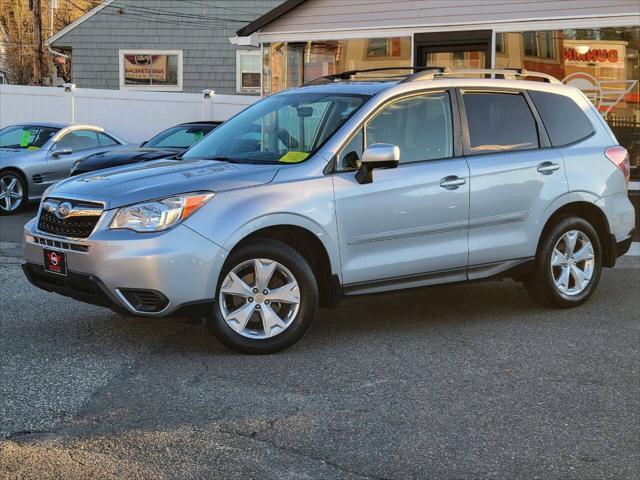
464,382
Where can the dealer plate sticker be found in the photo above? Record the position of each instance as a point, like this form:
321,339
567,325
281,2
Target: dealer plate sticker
55,262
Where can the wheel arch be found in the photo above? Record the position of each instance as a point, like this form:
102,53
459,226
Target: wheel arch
591,213
305,239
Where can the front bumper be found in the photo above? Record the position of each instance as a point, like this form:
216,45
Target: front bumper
179,266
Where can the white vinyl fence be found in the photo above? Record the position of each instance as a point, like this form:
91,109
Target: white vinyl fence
134,116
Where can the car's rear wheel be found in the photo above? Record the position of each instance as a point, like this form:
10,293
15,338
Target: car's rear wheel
13,193
266,299
568,264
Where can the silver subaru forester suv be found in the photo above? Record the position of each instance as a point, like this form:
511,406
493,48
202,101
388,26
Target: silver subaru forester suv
348,186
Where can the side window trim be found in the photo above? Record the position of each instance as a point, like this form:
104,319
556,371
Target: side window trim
543,137
456,127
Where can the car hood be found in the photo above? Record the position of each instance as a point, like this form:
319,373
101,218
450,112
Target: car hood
116,158
130,184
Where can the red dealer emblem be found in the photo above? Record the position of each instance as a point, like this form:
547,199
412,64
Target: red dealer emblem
53,258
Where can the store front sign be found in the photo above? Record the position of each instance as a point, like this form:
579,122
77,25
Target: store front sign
592,55
146,67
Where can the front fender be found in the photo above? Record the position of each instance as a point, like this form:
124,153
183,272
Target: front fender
233,215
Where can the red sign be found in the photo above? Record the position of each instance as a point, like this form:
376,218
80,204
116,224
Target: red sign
593,55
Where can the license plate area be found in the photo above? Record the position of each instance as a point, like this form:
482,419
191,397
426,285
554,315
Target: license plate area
55,262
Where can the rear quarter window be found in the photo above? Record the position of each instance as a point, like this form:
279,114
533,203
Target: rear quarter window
563,119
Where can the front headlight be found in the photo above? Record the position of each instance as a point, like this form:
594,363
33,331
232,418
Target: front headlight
158,215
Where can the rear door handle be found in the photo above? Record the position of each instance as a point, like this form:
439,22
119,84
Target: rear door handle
548,167
452,182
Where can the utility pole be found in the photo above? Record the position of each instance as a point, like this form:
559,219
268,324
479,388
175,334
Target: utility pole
38,64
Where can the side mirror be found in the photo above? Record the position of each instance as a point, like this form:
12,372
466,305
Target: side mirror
62,151
378,155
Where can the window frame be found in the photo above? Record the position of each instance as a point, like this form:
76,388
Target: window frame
239,54
455,118
158,88
543,137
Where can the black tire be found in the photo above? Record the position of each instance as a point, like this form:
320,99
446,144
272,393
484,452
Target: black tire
541,284
25,195
298,266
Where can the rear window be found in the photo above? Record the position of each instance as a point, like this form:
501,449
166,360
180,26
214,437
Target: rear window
499,122
563,119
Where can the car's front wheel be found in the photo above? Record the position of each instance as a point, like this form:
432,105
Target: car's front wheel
13,193
266,299
568,264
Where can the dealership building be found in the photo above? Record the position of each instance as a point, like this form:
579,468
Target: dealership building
591,44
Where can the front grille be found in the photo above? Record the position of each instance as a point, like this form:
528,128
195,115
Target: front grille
79,223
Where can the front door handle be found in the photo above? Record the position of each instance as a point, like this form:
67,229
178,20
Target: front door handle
548,168
452,182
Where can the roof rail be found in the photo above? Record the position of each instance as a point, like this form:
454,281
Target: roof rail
506,73
349,74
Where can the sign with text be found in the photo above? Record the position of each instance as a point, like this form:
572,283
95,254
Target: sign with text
145,67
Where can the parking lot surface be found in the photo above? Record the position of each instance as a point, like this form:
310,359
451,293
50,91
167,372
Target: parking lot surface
465,382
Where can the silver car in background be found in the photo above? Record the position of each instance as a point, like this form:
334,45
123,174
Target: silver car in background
34,156
348,187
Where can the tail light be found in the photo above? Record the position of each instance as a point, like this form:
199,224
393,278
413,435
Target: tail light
620,158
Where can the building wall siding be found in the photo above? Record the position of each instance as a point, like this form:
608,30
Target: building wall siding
209,59
322,15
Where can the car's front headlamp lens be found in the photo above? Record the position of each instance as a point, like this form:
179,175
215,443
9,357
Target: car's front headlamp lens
159,215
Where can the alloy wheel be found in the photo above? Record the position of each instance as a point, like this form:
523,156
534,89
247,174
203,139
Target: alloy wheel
10,193
259,298
572,262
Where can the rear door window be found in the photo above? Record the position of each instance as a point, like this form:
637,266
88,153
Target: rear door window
563,119
499,122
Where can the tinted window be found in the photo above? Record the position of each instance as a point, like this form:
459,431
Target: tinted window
420,126
79,140
106,140
562,117
499,121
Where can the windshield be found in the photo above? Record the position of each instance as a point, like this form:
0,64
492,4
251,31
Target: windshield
179,137
285,128
25,137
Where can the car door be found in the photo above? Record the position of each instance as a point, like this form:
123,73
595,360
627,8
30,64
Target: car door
69,148
409,226
514,175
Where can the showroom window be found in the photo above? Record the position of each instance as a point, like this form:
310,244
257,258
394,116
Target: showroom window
602,62
290,64
151,70
248,71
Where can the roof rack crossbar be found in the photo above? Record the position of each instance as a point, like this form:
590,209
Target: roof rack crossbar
507,73
348,74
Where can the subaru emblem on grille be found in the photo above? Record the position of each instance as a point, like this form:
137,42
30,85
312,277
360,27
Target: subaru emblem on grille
63,210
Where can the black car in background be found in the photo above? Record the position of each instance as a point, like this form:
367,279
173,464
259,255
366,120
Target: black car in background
168,143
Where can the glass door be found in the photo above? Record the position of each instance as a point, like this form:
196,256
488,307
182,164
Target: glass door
456,50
